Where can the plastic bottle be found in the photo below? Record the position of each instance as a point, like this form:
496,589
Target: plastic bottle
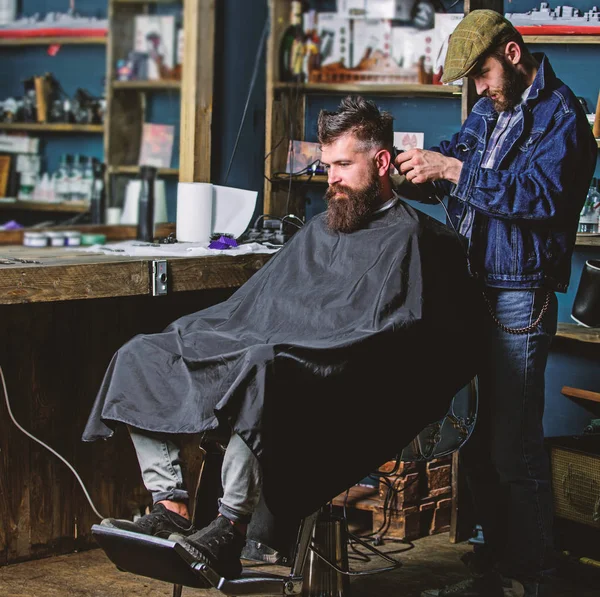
145,227
75,179
588,218
61,180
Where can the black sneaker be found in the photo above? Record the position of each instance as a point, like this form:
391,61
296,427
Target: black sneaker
485,585
219,545
159,523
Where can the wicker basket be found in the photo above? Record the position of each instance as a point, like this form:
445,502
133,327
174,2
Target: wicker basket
576,479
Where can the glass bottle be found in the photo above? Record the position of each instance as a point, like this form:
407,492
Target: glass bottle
291,49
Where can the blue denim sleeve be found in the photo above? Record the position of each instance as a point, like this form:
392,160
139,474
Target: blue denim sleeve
542,187
443,187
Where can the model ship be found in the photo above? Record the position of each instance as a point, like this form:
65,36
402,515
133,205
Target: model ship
55,24
562,20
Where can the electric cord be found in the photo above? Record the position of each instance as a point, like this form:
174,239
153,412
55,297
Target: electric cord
39,441
261,45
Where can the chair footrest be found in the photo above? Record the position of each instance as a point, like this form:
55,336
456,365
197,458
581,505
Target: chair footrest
166,560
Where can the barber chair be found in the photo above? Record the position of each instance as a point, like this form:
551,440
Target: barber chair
318,560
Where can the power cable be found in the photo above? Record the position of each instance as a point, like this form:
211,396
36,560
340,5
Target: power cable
261,45
39,441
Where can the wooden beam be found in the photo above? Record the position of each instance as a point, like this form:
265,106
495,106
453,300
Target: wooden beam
580,394
197,76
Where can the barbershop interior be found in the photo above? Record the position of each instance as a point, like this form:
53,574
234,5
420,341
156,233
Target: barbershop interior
214,213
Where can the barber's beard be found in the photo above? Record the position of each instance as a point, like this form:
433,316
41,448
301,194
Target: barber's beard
350,212
510,93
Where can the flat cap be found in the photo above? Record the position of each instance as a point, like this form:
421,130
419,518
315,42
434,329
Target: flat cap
477,33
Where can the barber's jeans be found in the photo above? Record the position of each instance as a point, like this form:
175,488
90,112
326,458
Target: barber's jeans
506,465
160,462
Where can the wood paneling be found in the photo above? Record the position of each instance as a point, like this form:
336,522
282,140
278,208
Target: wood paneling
54,356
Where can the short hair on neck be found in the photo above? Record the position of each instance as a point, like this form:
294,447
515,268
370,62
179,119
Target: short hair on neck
372,127
497,51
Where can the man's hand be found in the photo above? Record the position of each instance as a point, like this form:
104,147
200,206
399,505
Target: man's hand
420,165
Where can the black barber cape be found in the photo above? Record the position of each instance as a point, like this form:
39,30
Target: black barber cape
327,362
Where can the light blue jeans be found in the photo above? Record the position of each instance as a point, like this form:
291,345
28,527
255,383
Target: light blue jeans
505,460
160,462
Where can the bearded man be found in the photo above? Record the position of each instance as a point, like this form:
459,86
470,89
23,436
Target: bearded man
516,177
367,296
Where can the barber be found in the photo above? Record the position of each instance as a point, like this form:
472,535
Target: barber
516,177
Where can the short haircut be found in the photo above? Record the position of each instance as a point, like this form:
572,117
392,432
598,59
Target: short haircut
361,117
497,50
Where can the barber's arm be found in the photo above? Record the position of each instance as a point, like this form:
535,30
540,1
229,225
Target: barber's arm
559,162
539,191
424,171
421,166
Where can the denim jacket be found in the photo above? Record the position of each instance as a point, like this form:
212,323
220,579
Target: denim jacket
526,208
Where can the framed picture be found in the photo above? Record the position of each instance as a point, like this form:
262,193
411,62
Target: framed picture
157,145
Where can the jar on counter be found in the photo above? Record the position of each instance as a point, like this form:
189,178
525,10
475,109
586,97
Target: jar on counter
35,239
57,239
72,238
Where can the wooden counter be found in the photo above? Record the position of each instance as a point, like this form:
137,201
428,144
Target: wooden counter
61,274
61,320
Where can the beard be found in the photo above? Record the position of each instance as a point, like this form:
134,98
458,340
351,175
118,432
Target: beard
349,213
509,94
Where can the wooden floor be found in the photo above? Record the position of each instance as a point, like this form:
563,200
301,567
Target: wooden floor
433,562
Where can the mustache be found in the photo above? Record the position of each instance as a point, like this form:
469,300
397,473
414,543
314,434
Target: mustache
336,188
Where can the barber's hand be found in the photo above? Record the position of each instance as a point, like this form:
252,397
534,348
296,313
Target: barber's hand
420,165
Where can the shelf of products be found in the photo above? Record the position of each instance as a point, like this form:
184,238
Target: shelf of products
373,88
579,333
68,206
135,170
146,1
561,39
147,85
585,239
51,41
52,127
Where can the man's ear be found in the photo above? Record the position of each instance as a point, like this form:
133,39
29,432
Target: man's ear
383,160
512,52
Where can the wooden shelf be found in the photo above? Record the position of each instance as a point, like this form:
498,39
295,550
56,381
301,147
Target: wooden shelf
578,333
52,127
146,1
51,41
68,206
135,170
147,85
374,89
580,394
585,239
561,39
359,497
316,179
